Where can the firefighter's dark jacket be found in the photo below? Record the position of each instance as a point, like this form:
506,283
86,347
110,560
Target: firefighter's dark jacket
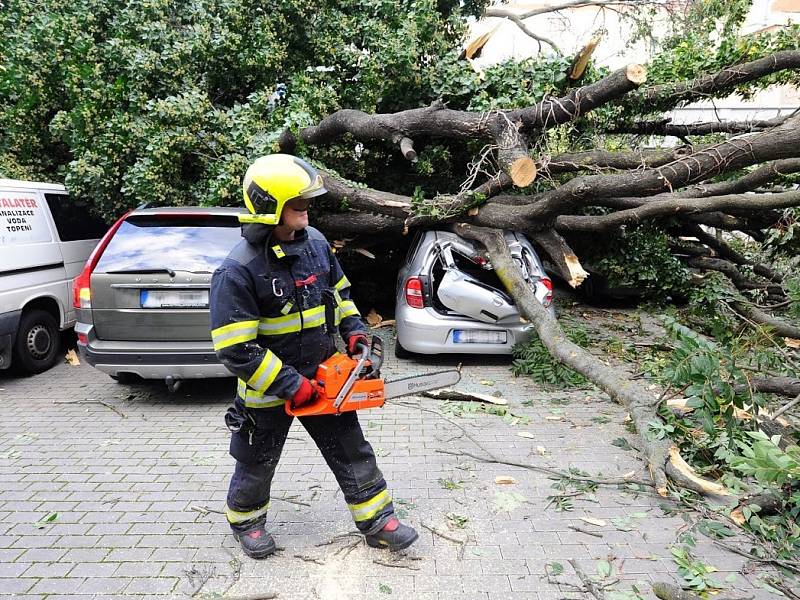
268,317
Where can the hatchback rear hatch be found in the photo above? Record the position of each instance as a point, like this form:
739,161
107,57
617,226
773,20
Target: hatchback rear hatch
465,283
152,281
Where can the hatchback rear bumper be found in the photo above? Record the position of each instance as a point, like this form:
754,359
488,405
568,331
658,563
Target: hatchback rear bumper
427,332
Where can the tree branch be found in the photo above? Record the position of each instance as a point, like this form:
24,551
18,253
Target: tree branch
563,258
513,17
668,208
664,127
723,81
438,121
735,153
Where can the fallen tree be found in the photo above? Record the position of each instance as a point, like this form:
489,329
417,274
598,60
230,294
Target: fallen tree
714,183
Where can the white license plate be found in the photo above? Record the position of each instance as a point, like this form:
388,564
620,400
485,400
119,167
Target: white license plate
479,336
174,298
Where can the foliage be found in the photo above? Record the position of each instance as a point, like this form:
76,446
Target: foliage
534,360
164,102
456,521
695,573
641,258
512,84
792,287
764,460
717,435
467,409
570,485
785,236
708,305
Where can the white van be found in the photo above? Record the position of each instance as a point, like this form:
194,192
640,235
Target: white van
45,239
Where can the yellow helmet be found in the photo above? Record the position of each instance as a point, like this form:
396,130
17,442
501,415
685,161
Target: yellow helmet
273,180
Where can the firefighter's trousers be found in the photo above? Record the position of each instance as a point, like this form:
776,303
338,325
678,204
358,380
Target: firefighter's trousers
341,441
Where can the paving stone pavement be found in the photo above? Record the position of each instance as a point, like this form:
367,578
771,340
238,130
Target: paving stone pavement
130,471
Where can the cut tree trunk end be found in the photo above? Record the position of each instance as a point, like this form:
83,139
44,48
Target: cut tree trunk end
523,171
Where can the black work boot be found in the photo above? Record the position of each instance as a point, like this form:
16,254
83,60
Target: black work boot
394,536
256,542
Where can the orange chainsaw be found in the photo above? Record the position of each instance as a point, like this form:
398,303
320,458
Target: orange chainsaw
343,384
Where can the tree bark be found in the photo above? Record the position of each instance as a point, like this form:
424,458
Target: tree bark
738,278
564,259
784,386
779,326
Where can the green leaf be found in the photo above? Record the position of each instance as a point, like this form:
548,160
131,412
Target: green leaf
621,442
555,568
384,589
41,523
508,501
714,529
603,568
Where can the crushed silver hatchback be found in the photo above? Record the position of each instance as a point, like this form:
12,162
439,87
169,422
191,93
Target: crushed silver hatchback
142,298
449,298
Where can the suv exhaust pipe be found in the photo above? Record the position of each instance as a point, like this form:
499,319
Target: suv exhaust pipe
173,383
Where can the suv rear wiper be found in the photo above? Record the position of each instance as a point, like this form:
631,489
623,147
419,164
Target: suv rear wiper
142,271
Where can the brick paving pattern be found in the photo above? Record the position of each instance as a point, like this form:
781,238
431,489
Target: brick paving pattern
130,470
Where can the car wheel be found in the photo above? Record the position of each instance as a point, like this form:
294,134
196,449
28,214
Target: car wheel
38,342
400,352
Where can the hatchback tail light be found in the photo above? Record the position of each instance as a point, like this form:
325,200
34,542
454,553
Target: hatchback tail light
414,295
548,299
81,290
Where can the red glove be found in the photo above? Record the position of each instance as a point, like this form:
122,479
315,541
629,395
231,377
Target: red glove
355,340
305,393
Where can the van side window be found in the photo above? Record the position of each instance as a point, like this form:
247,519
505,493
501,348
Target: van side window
73,219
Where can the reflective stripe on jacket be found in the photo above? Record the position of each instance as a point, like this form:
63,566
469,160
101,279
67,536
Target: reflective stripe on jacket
268,316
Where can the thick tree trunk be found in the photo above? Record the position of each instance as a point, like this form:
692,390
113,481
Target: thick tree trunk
437,120
761,317
630,394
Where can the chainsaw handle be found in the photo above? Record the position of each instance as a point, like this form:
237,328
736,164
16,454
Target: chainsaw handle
319,391
376,355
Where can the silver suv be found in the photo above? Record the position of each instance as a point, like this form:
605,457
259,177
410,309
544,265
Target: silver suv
449,299
142,298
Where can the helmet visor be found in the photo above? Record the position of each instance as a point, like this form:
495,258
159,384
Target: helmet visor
315,188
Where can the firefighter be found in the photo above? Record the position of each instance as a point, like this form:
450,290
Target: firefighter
277,302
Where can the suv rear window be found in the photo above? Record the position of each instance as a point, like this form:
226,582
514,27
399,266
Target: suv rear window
191,244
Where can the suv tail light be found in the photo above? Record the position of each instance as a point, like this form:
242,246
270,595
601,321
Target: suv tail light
414,295
81,291
548,299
